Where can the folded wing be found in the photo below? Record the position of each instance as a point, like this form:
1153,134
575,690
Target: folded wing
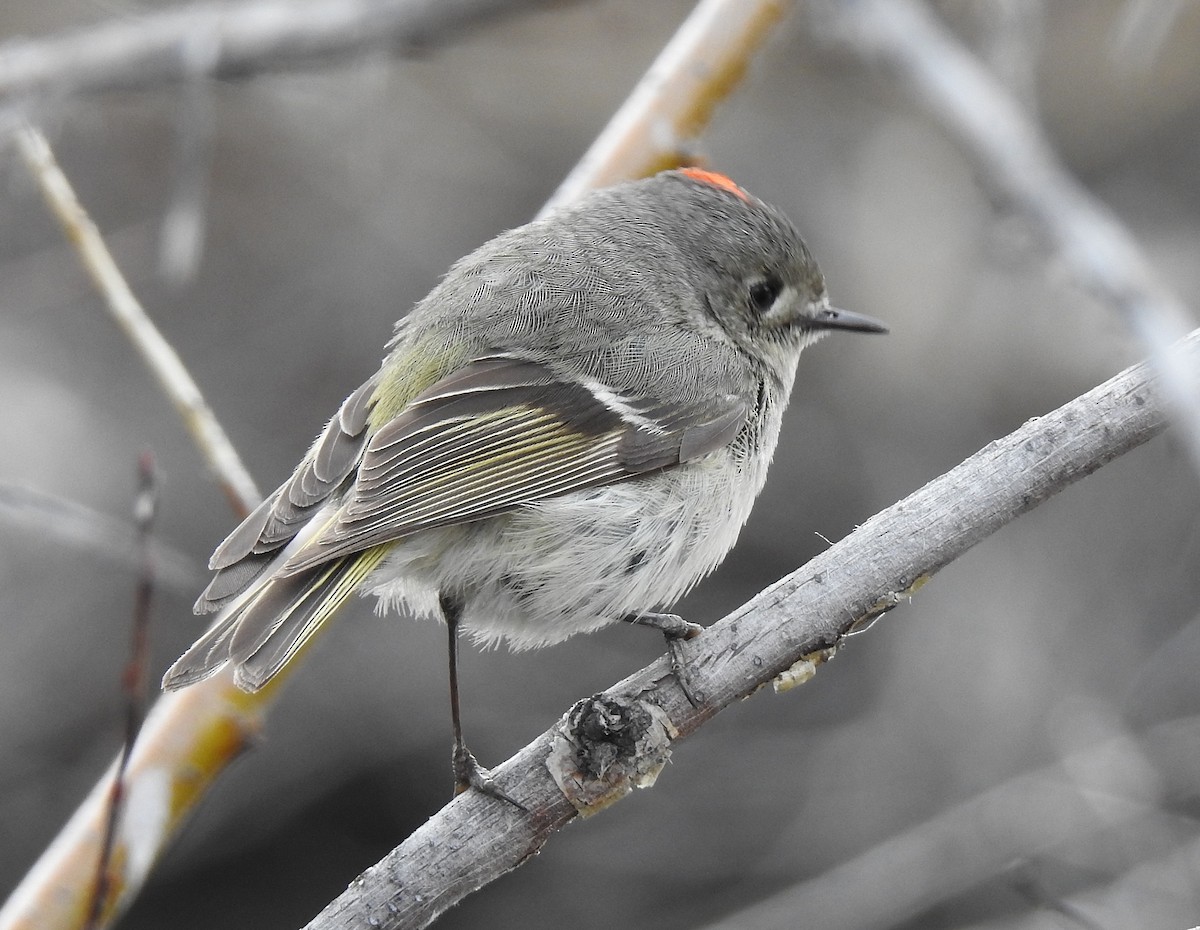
502,432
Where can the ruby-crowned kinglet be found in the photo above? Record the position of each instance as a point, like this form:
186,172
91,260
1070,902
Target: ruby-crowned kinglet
569,431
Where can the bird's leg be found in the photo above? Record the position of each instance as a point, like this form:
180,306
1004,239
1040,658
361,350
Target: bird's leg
468,773
675,630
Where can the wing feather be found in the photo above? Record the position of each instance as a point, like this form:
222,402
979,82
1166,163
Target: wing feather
250,548
242,540
499,433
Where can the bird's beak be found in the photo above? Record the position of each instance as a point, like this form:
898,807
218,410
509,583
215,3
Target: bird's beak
833,318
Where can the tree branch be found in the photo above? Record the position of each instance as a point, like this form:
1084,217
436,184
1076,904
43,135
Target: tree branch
782,634
69,523
657,126
246,38
135,685
1077,801
162,360
1015,159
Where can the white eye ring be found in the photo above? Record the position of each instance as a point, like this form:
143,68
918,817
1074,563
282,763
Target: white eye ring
765,292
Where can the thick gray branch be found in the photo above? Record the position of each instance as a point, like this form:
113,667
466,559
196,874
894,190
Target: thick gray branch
475,839
237,38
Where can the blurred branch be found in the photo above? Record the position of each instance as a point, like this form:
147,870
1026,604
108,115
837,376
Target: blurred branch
181,237
188,739
1065,805
905,40
133,685
657,126
782,634
191,736
1145,896
1140,31
66,522
247,38
156,352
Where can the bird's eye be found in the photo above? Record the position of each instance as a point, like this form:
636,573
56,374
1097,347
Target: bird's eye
764,293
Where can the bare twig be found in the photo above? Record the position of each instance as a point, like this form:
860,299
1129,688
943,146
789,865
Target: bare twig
1139,897
188,739
181,241
191,737
249,38
1140,31
1014,158
70,523
1030,816
781,634
157,353
133,682
657,126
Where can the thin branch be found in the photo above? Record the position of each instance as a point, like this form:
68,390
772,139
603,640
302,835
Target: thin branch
1015,159
155,351
181,238
1154,892
782,634
1140,31
133,684
248,38
69,523
658,125
1030,816
187,740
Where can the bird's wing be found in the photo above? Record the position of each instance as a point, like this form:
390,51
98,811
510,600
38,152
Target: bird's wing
252,547
493,435
501,432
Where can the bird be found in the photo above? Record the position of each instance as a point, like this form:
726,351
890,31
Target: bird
569,431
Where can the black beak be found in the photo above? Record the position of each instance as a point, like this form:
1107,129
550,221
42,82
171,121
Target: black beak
833,318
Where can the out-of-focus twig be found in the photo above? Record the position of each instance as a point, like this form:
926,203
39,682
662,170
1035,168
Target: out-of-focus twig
1027,884
188,739
250,37
783,634
133,681
67,522
157,353
657,126
1151,893
1140,31
1008,35
181,241
1014,158
1030,816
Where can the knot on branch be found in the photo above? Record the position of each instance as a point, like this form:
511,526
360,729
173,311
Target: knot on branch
605,747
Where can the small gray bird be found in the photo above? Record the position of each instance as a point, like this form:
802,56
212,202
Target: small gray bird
569,431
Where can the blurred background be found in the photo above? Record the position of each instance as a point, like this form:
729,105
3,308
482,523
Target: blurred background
337,196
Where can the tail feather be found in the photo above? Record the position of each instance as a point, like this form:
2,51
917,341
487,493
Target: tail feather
275,606
259,634
257,658
205,656
229,583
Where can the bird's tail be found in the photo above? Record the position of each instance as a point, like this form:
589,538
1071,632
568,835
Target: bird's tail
261,630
